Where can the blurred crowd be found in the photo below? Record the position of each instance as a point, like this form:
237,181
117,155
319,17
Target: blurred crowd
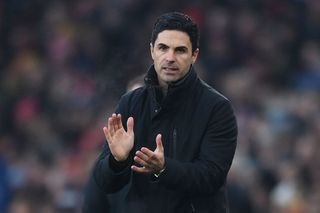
65,64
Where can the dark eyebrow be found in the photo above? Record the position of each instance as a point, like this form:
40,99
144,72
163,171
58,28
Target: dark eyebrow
182,48
162,45
179,48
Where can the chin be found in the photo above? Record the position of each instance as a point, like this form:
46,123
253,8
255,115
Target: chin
171,79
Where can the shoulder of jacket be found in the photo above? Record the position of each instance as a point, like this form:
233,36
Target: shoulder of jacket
133,95
210,95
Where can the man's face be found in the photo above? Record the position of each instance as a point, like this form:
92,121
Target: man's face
172,55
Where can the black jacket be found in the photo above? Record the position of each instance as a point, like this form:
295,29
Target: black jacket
199,134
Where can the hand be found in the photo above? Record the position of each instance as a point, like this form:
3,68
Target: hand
151,162
120,142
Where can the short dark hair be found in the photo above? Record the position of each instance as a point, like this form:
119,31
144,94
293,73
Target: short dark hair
176,21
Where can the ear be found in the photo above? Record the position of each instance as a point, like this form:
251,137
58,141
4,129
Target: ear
151,50
195,55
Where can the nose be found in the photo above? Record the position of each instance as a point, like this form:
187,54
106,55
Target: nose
170,56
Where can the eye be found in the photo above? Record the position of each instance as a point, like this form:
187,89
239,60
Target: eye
181,50
162,47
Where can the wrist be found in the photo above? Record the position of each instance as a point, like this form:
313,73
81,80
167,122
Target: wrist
121,159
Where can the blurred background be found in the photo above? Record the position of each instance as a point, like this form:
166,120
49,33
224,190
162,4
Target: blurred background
65,64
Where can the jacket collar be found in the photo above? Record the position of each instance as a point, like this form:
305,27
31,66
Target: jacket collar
176,90
151,79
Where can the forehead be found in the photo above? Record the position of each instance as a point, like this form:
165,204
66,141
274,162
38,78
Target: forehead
173,38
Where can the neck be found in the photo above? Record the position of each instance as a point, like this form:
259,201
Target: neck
164,87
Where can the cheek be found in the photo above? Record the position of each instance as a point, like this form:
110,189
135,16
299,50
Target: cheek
156,57
185,62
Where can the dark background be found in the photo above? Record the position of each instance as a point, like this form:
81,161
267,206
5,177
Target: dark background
65,64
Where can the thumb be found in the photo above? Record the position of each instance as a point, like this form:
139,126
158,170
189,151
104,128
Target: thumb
130,124
159,143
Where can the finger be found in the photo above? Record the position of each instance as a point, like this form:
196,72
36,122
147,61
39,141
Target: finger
114,122
110,126
140,161
159,143
147,152
142,156
130,124
107,122
106,133
140,169
119,121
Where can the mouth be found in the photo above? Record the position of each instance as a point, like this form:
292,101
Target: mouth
170,69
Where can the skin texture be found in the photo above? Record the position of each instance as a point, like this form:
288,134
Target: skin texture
120,141
172,56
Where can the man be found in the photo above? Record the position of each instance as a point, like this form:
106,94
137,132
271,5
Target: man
170,143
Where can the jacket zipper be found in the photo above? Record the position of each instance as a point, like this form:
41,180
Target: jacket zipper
174,142
192,207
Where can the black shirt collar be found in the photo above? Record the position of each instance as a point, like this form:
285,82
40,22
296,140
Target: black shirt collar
151,78
177,90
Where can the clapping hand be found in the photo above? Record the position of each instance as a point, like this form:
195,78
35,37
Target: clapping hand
152,162
120,141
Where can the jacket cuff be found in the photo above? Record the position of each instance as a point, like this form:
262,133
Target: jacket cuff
118,166
170,175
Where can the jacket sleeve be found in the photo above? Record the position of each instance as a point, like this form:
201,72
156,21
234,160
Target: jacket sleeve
207,173
95,200
108,175
104,179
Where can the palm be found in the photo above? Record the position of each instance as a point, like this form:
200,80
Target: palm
120,141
